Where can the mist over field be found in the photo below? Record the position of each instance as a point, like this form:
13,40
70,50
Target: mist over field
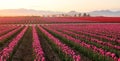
33,12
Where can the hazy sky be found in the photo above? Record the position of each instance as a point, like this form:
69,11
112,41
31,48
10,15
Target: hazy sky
61,5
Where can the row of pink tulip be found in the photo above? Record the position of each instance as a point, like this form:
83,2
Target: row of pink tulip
91,30
92,47
6,29
9,34
67,50
85,37
101,36
5,53
90,39
39,54
3,27
103,29
104,32
111,30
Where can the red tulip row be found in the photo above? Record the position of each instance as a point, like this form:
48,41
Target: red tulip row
5,53
92,47
67,50
39,54
27,19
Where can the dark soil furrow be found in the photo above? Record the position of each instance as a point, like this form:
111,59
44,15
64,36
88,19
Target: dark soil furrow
24,51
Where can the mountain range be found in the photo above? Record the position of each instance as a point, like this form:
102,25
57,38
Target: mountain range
105,13
32,12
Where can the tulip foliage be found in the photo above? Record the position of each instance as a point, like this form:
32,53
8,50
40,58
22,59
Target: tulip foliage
60,42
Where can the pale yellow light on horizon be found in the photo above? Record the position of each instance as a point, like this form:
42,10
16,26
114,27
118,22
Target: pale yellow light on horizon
61,5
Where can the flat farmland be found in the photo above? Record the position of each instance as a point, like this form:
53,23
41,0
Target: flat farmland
59,39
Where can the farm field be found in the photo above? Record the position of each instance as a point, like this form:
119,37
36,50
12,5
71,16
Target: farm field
58,20
59,39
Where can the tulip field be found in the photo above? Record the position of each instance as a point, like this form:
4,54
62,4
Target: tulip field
45,41
58,20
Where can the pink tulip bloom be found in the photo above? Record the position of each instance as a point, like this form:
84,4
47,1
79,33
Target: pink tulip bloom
119,59
67,50
5,53
39,54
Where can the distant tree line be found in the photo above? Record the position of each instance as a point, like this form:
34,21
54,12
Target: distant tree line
68,15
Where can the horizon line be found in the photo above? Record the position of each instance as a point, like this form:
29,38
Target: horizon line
62,11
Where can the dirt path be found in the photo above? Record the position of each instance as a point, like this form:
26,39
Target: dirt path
24,51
